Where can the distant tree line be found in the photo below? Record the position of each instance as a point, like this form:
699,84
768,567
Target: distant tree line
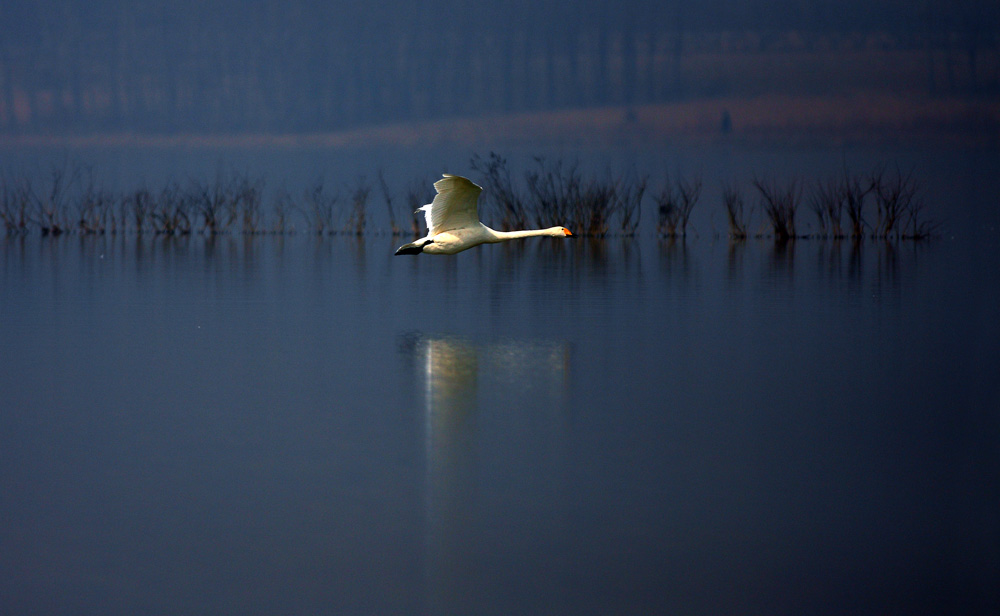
227,66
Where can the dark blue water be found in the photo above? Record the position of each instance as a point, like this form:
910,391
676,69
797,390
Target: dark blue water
262,425
302,425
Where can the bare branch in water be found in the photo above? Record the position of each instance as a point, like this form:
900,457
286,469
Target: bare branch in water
780,204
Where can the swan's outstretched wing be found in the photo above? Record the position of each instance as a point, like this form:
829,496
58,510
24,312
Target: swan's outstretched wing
454,206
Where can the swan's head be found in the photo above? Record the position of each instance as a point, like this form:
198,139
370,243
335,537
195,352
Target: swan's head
561,232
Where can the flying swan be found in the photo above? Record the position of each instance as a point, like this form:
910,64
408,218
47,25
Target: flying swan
453,222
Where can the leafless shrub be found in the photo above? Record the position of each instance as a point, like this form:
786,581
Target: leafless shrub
554,192
915,227
16,205
854,190
318,208
899,209
736,213
827,202
281,206
558,194
894,196
359,206
8,208
94,208
592,209
139,203
51,209
628,195
674,204
244,203
418,194
548,194
169,213
502,194
780,203
211,205
387,195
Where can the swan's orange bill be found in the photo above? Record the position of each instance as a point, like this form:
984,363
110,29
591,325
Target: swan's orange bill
566,231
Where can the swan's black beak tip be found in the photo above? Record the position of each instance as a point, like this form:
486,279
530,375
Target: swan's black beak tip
409,249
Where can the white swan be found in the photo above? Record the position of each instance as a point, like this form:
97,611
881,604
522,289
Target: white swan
453,222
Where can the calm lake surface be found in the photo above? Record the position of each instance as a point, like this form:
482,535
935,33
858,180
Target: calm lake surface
264,425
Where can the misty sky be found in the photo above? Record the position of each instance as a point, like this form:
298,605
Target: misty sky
304,66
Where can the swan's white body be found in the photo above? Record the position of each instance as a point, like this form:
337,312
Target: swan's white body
453,222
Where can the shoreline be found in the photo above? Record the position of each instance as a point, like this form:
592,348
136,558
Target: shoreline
859,118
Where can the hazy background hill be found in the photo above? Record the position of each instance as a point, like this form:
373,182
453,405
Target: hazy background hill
71,68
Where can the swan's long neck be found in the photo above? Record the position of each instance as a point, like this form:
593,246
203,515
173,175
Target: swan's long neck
502,236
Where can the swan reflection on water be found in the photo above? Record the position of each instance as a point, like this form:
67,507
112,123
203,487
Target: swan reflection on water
453,368
481,401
